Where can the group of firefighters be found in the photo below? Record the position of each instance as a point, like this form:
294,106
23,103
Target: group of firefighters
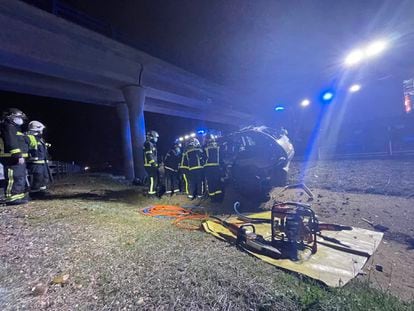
189,168
24,158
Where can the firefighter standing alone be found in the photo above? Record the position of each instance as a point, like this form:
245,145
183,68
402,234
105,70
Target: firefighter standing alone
151,161
13,154
37,163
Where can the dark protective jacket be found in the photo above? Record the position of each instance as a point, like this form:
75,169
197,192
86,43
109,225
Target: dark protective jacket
184,161
172,160
14,143
212,155
150,154
194,157
37,149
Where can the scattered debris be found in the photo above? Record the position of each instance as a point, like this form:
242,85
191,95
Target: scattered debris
377,227
39,289
379,268
60,279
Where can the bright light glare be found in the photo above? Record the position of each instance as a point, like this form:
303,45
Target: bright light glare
354,57
375,48
181,139
327,96
305,103
354,88
279,108
193,135
186,136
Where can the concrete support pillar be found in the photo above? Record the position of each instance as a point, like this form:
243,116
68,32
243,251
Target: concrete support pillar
135,99
127,157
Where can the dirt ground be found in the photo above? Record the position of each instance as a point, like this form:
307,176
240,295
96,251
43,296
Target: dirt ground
395,254
85,247
381,191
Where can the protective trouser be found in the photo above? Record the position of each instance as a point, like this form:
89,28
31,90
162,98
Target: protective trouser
39,177
195,182
171,182
214,186
15,181
183,180
152,172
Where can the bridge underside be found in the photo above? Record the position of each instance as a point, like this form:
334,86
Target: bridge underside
42,54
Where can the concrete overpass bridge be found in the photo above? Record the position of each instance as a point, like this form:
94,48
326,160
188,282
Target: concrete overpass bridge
43,54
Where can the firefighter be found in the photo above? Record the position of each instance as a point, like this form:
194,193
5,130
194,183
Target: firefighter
183,172
193,156
212,169
171,163
37,163
13,154
151,161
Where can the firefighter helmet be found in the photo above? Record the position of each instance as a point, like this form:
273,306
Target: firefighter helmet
211,139
194,142
152,136
177,144
177,147
36,126
12,113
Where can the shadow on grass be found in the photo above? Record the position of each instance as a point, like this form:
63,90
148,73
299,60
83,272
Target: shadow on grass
401,238
98,195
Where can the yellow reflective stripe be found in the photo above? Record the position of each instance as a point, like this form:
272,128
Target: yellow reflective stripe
195,168
15,197
211,164
38,162
186,183
10,183
19,133
151,189
33,142
13,151
148,151
152,161
8,155
215,193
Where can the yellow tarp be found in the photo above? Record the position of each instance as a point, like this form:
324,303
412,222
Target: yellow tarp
334,267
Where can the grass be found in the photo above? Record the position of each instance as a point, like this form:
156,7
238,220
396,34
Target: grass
119,259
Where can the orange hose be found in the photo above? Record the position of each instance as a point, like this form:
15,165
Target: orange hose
184,218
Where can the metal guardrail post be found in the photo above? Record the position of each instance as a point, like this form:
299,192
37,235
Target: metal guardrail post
390,151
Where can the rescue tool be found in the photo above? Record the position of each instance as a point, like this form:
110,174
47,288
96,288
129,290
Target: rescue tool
293,225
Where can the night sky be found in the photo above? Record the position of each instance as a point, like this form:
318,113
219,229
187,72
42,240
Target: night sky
277,52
